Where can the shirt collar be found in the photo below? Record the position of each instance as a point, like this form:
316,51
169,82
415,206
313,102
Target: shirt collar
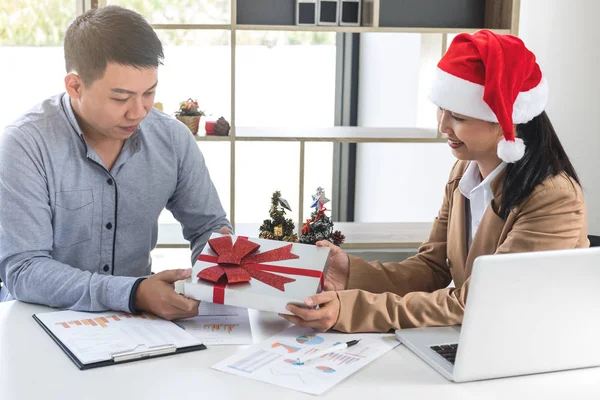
471,180
66,102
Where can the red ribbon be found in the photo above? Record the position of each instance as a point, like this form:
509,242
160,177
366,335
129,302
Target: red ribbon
306,227
239,263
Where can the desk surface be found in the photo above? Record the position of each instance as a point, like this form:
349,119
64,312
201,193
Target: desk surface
33,367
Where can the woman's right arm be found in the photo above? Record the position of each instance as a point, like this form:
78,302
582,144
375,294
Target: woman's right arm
427,271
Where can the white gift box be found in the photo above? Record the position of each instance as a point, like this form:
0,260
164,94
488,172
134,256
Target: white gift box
307,271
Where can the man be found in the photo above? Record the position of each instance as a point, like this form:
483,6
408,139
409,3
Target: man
85,175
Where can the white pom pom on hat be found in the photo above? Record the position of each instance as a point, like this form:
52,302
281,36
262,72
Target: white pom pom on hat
494,78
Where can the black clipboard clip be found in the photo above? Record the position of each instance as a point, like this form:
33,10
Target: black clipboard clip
143,351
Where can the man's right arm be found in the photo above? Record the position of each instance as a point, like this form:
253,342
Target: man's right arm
26,238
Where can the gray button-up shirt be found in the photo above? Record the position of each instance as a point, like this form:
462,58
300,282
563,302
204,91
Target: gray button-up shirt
74,235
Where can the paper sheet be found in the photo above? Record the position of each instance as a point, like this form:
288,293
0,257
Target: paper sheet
219,324
271,360
93,337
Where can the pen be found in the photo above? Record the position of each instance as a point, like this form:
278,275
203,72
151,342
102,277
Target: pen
320,353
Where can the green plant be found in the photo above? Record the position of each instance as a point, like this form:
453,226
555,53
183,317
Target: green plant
189,108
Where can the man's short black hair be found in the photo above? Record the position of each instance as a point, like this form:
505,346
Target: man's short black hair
110,34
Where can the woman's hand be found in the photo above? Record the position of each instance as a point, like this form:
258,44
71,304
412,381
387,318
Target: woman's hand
321,319
338,270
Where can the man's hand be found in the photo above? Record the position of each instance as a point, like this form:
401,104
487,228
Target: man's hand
156,295
338,269
321,319
225,231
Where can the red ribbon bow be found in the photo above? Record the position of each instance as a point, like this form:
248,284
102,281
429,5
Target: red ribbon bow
306,227
239,263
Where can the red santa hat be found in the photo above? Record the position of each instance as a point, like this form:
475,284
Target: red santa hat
493,78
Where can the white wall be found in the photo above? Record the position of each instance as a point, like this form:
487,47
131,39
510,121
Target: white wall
564,36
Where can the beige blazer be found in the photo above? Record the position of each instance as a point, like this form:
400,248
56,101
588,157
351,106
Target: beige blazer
414,292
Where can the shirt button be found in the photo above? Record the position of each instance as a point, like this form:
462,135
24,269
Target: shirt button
109,181
106,268
109,226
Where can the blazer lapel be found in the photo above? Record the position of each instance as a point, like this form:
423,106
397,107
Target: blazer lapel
457,238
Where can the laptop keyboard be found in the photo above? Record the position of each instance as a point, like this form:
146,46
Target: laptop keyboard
448,351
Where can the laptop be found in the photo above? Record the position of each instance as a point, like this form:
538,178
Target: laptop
526,313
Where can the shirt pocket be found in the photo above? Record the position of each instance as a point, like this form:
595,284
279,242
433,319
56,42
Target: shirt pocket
73,217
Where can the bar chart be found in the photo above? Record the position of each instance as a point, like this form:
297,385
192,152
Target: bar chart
104,320
343,358
218,327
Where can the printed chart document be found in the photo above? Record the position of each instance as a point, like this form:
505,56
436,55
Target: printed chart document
272,361
218,324
100,339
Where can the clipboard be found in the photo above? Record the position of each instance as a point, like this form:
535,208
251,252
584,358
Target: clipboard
140,352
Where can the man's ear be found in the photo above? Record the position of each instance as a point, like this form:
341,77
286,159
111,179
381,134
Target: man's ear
73,85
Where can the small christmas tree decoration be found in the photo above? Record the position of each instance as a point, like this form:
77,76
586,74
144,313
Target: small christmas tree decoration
278,227
319,226
221,127
189,114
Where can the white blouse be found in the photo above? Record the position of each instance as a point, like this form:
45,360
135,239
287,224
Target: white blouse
479,193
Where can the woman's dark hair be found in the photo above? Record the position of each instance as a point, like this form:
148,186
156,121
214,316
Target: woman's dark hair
544,157
110,34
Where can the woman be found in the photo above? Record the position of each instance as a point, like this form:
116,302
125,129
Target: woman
505,194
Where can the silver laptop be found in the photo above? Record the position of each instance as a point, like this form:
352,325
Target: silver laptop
526,313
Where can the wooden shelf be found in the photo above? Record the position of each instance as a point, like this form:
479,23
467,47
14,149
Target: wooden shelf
342,29
402,16
201,137
341,134
501,16
359,236
222,27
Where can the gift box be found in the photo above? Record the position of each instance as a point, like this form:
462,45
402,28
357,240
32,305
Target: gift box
256,273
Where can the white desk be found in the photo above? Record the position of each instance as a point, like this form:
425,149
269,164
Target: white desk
33,367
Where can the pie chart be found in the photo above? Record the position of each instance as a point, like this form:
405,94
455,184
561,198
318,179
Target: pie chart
309,339
325,369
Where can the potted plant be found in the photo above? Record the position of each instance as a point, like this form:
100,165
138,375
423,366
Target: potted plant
189,114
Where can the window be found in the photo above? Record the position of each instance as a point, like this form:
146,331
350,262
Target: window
180,11
269,66
31,37
197,64
285,79
387,187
